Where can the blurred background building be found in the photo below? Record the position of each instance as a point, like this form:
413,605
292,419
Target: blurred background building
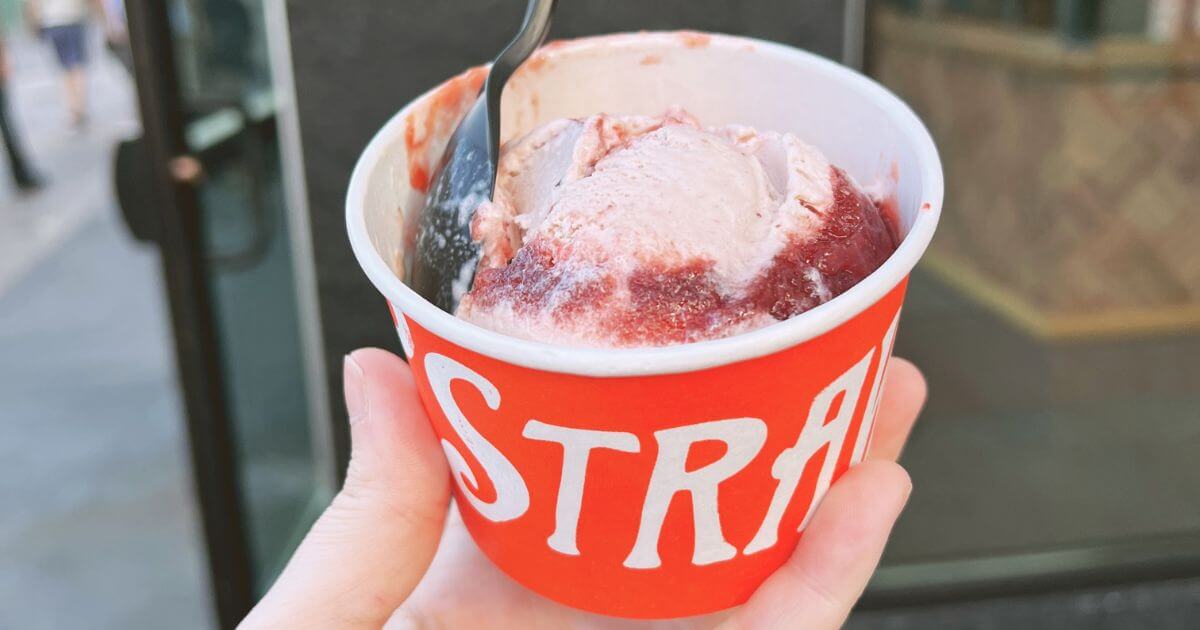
176,297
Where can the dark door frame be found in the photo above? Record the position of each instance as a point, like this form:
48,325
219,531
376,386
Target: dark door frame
173,173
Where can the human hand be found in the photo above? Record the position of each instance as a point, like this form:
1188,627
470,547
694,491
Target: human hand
389,552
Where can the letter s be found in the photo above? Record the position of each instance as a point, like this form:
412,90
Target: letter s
512,495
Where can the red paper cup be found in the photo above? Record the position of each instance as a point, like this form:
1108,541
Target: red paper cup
655,482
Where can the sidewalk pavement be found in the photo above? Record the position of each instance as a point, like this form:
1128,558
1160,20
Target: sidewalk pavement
99,527
76,164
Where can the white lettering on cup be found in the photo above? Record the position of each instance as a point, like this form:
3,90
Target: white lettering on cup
406,339
868,421
577,447
789,466
743,438
512,495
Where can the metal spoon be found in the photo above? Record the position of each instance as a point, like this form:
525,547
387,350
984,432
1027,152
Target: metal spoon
445,258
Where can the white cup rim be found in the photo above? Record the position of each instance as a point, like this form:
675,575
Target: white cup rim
613,362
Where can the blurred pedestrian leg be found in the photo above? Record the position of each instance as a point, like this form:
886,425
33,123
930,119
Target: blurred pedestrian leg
64,24
18,166
116,33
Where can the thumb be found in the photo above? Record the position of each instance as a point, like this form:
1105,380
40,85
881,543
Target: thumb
375,541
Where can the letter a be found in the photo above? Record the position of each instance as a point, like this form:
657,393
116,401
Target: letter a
789,466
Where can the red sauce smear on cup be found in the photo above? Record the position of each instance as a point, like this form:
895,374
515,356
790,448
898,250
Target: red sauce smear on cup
436,120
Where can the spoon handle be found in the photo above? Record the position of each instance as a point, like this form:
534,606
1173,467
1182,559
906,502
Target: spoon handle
533,32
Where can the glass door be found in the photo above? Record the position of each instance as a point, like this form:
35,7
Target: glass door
210,180
1057,311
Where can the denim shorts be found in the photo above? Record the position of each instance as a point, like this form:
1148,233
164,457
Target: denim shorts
70,43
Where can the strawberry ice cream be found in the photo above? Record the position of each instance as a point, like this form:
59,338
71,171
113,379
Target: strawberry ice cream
620,231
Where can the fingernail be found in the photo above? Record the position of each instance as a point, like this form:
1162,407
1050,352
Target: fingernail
355,392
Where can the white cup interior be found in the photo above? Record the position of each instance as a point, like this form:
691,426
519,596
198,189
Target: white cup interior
859,125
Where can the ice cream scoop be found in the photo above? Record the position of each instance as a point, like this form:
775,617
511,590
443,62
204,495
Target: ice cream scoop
617,231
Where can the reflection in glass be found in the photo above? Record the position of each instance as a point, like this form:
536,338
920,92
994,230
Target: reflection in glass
1057,313
224,71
